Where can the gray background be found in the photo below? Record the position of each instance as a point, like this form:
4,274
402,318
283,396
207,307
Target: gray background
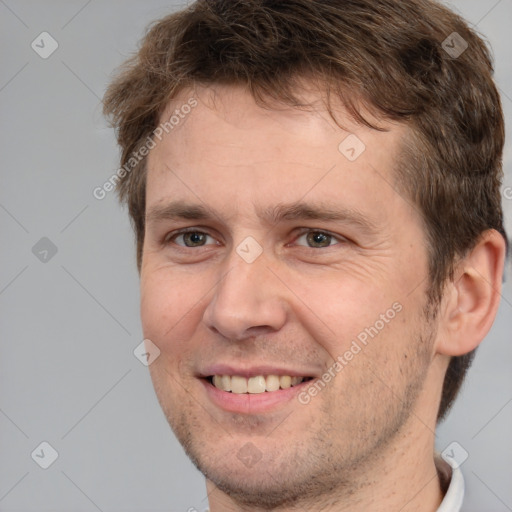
69,325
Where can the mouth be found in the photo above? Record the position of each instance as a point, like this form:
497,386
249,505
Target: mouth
255,389
238,384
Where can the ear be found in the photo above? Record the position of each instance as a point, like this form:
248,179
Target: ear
471,300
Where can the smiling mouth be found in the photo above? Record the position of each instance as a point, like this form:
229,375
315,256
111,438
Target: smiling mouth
258,384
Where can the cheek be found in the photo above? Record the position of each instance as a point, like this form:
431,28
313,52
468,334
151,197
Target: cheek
169,306
342,306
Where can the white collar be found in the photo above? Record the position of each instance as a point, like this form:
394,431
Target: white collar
454,496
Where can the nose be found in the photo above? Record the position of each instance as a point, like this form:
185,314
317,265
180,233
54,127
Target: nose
248,301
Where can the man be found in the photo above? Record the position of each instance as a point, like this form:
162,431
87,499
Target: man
315,191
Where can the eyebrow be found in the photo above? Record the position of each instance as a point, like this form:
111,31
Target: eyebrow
177,210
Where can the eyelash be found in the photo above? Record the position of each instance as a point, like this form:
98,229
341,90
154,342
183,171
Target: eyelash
171,237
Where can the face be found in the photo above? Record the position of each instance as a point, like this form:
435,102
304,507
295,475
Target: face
273,256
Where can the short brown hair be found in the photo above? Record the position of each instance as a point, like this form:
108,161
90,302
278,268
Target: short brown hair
390,54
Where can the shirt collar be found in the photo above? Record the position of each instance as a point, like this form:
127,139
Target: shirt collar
451,478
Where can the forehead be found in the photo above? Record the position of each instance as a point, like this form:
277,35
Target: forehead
233,107
229,151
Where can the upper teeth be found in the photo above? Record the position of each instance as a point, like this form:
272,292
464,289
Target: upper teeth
258,384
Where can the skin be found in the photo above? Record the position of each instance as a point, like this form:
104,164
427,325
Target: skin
366,440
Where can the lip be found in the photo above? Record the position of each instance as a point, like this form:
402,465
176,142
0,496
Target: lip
251,403
254,371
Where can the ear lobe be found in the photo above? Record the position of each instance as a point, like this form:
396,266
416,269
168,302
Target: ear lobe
472,298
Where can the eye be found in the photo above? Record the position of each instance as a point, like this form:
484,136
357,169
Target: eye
317,239
189,238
